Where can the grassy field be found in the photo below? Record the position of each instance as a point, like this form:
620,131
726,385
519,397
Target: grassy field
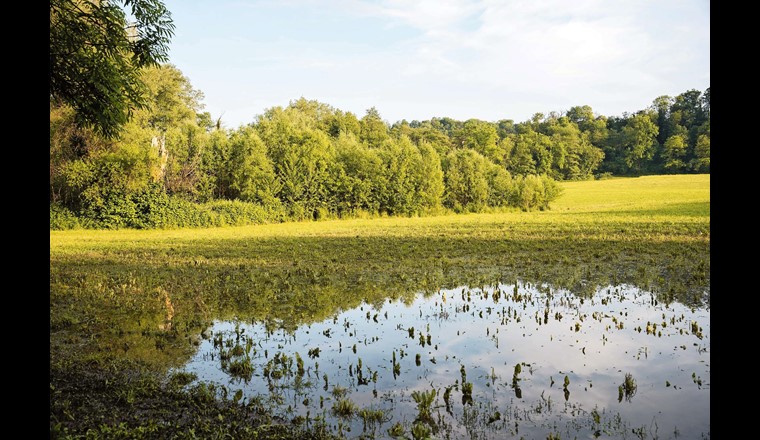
131,302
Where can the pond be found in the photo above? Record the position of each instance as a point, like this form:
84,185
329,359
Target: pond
503,361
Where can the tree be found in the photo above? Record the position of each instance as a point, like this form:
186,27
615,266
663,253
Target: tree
662,105
702,151
690,104
701,161
430,186
253,176
96,56
373,129
481,136
466,178
638,138
168,124
674,152
573,156
358,179
401,165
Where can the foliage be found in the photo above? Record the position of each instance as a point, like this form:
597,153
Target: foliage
310,161
62,218
96,54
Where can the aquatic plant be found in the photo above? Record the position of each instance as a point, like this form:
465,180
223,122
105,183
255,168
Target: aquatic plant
397,430
299,365
629,386
424,400
371,417
467,393
242,368
344,408
420,431
447,396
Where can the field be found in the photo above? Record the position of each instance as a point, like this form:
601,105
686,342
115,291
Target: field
126,307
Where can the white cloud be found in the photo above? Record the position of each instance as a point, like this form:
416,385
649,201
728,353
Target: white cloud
489,59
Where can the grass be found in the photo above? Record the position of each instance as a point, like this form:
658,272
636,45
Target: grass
140,296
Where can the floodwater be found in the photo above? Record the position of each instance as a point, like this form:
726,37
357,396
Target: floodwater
376,358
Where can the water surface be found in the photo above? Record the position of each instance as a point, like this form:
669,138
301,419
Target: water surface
376,357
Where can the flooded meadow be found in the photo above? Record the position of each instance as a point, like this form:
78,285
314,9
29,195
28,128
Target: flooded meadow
590,320
502,361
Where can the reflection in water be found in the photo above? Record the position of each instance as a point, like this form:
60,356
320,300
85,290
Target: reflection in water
509,360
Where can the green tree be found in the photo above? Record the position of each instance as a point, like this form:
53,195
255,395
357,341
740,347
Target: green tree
701,161
482,137
674,151
373,129
96,56
358,181
466,181
302,156
532,152
401,165
430,178
252,174
521,160
425,132
638,139
501,186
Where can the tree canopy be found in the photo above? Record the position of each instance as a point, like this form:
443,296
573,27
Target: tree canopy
96,54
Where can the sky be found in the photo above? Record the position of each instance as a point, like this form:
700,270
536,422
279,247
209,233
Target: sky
414,60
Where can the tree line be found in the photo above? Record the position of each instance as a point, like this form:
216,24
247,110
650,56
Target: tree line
310,160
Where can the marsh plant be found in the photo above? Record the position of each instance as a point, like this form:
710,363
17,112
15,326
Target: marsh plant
241,368
372,417
424,401
628,387
421,431
446,397
397,430
344,408
467,393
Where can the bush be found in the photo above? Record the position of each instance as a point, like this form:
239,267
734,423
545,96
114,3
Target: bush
237,213
62,218
535,192
156,209
604,176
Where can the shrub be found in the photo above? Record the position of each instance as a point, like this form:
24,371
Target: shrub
61,218
237,213
535,192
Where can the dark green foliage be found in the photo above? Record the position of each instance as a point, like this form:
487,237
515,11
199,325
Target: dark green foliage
96,54
152,208
61,218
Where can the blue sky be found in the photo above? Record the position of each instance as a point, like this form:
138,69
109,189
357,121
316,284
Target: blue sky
485,59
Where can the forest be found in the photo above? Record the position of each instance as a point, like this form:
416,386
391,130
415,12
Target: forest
172,164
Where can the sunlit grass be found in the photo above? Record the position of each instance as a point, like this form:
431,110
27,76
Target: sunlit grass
674,202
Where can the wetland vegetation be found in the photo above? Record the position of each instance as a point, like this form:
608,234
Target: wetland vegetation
361,279
556,324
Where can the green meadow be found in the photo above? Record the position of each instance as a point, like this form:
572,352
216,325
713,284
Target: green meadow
129,306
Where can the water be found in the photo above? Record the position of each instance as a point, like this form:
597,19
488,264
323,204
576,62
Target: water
594,342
